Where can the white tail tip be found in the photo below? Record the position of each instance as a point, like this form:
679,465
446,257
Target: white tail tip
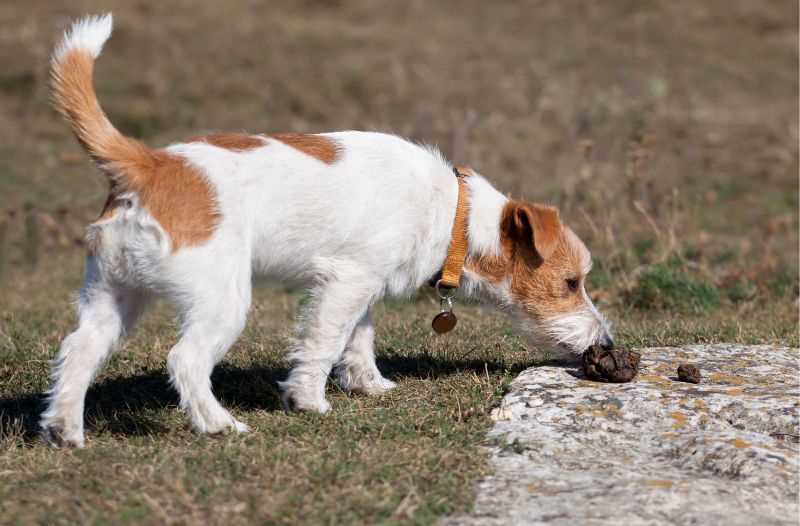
87,34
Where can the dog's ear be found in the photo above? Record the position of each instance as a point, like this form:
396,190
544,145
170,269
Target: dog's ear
534,225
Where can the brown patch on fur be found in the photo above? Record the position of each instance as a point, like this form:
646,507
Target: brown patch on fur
319,147
179,197
175,193
542,290
236,142
537,282
492,268
526,222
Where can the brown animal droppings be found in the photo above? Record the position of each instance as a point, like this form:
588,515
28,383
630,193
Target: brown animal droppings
616,366
689,373
319,147
237,142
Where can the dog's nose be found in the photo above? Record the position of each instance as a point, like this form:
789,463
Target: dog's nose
606,342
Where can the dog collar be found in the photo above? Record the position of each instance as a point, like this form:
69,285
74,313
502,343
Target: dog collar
448,279
457,251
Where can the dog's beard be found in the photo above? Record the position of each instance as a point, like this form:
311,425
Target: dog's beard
563,337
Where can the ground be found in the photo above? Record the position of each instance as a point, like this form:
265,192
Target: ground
666,133
655,451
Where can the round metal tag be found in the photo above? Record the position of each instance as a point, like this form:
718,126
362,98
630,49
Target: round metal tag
444,322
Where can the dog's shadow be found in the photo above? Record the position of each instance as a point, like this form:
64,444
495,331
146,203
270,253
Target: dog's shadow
127,405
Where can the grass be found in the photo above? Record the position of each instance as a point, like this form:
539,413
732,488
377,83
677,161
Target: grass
668,288
666,133
408,456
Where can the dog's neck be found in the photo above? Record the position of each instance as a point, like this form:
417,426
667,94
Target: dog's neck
483,233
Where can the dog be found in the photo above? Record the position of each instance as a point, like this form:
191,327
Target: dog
352,216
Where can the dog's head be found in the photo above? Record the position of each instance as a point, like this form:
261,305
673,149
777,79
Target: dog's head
539,277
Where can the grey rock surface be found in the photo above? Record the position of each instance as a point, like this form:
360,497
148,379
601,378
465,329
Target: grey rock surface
565,450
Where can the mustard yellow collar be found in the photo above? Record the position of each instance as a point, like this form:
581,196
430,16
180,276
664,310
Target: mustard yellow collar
457,251
449,278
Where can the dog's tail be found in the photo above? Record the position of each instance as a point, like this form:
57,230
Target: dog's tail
74,97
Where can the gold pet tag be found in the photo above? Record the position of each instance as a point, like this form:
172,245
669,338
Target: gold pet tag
444,322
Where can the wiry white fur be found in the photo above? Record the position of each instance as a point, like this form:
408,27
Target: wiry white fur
568,335
375,223
88,34
573,331
483,238
357,371
104,317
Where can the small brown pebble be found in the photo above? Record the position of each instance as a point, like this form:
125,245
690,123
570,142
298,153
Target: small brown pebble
616,365
689,373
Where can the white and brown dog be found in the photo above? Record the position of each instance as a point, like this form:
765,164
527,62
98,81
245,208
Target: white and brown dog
355,216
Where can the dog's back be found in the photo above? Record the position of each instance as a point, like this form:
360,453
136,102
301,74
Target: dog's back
375,204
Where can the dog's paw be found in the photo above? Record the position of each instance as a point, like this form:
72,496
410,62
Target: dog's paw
368,383
314,406
292,402
54,436
317,406
222,425
374,387
240,427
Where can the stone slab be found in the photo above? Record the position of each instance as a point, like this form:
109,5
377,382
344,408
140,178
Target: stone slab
655,451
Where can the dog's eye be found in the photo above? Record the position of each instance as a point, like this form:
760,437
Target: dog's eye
572,284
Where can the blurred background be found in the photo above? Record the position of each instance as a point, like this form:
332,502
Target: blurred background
667,132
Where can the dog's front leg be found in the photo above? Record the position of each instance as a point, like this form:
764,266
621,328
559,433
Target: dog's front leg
335,308
357,371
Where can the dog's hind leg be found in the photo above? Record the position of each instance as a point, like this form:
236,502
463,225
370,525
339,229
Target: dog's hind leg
106,312
357,370
213,318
